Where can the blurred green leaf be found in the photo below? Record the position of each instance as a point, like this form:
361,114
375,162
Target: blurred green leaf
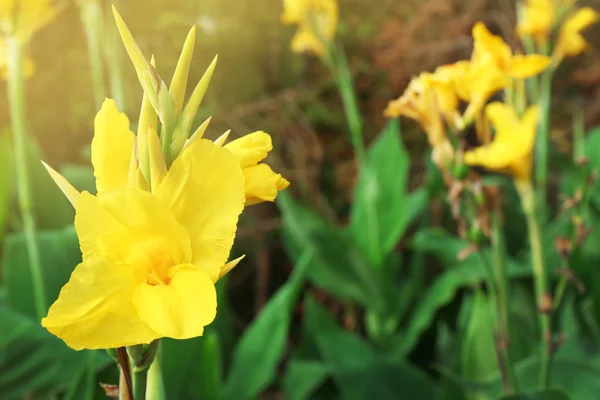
6,179
191,368
357,369
542,395
338,265
60,255
302,378
477,347
51,207
382,209
33,360
260,349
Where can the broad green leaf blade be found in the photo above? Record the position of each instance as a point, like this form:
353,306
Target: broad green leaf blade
358,370
338,266
61,254
32,360
477,348
260,349
302,378
381,208
541,395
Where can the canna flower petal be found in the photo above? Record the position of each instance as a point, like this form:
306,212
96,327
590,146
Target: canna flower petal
94,309
570,41
251,149
181,309
111,147
525,66
129,226
262,184
207,204
512,145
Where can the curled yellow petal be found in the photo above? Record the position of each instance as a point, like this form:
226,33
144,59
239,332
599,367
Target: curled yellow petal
262,184
181,308
230,265
530,65
251,149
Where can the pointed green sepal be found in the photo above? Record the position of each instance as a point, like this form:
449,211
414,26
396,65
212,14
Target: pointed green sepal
180,76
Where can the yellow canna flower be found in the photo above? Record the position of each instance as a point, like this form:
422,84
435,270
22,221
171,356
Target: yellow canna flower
20,19
492,68
150,260
430,100
539,18
570,41
512,146
262,183
317,23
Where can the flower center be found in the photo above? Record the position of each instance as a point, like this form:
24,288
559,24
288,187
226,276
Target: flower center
154,256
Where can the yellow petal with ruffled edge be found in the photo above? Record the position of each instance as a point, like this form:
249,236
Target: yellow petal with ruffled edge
182,308
205,191
570,42
94,309
251,149
111,147
262,184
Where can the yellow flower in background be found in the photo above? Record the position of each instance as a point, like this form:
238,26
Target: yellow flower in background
28,64
150,260
317,23
492,68
262,183
22,18
430,100
511,149
539,18
570,41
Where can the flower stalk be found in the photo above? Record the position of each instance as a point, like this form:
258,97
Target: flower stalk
91,16
543,142
16,101
542,295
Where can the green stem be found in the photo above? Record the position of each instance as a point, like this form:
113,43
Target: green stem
501,278
139,381
91,16
155,387
543,299
338,63
16,102
543,143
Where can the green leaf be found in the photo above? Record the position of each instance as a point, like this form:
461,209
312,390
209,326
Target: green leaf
541,395
338,266
477,348
260,349
6,179
32,360
358,370
192,368
302,378
382,209
60,254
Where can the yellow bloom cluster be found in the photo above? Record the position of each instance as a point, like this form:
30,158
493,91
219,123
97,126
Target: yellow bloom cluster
157,235
317,22
434,99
